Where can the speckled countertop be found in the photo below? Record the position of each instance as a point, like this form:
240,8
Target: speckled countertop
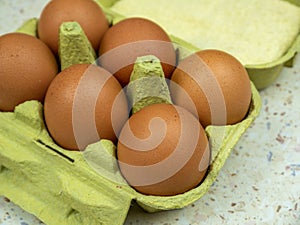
260,182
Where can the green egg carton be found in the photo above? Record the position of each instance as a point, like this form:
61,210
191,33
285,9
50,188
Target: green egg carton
261,74
62,187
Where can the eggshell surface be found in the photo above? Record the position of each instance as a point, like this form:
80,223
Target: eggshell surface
218,85
86,12
163,150
27,68
84,104
133,37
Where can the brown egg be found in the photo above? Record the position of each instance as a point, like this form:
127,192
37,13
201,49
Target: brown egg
134,37
86,12
163,150
214,86
83,104
27,68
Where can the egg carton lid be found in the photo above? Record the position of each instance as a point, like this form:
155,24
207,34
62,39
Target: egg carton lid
263,35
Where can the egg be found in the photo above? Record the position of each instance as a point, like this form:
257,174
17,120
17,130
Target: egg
214,86
27,68
86,12
131,38
83,104
163,150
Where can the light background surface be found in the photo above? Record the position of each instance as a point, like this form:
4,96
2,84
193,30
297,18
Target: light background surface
260,182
